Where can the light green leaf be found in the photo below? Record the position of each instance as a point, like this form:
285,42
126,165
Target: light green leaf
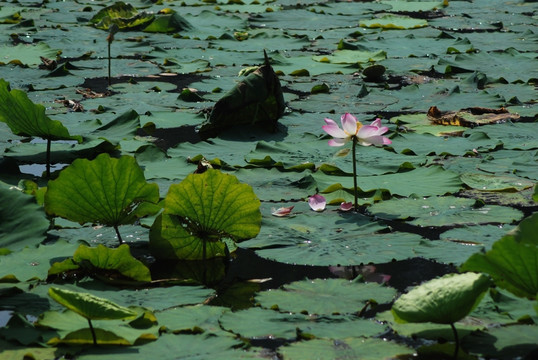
26,54
487,182
200,212
105,190
394,22
90,306
444,300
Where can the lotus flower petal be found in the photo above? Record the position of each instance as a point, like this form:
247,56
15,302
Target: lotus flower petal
317,202
346,206
283,211
333,129
349,124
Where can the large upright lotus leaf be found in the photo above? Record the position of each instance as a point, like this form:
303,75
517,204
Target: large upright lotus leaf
444,211
28,119
256,99
90,306
120,259
325,296
125,16
105,190
513,260
22,221
394,22
25,54
443,300
205,208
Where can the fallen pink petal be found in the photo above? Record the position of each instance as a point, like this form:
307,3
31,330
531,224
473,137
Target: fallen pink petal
283,211
317,202
346,206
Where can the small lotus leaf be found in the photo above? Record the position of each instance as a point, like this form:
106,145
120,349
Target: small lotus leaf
208,208
443,300
105,190
394,22
89,306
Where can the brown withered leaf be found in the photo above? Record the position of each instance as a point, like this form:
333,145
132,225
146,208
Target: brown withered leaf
471,117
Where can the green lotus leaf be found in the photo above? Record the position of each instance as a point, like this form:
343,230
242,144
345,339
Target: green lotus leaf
101,259
512,261
25,118
125,16
200,212
105,190
22,223
443,300
25,54
168,24
90,306
394,22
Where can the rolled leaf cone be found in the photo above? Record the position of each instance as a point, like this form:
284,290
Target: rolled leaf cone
257,99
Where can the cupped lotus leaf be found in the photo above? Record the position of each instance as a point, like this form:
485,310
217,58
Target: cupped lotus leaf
28,119
90,306
170,23
325,296
200,212
512,261
105,190
394,22
256,99
123,15
444,300
103,259
22,223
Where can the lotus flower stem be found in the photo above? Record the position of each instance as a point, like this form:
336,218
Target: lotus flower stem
48,159
354,157
93,332
118,234
456,339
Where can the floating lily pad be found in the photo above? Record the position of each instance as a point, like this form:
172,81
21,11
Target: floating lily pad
394,22
444,211
327,297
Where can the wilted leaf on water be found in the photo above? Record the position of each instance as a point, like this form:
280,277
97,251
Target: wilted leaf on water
443,300
471,117
28,119
202,211
257,99
513,260
105,190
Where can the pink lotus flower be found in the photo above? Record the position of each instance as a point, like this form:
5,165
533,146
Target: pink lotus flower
283,211
366,135
317,202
